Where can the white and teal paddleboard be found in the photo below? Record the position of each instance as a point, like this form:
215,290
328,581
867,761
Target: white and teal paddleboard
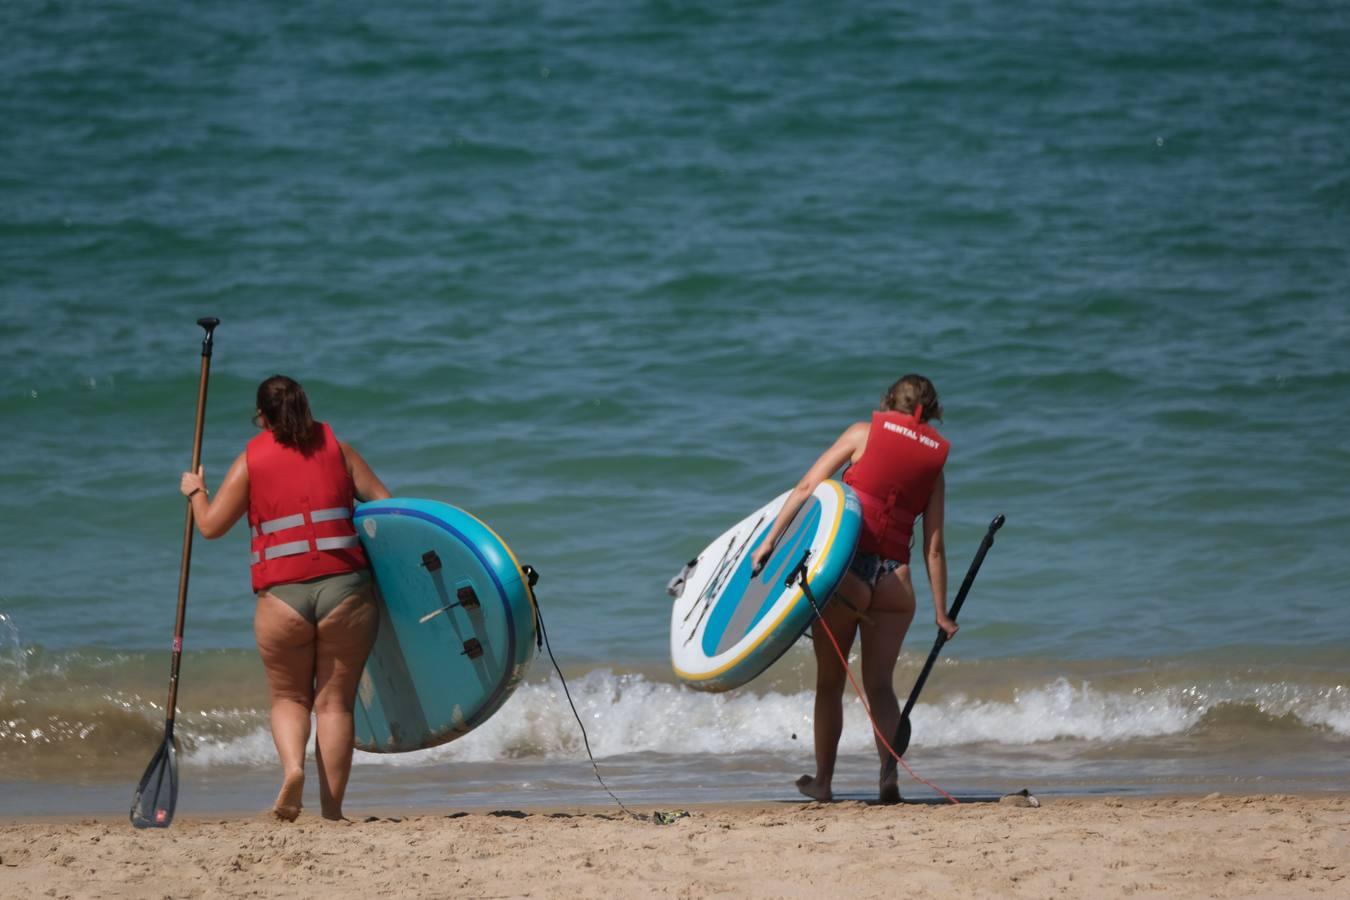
727,625
457,625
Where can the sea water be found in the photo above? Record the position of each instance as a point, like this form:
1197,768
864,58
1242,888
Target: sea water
609,276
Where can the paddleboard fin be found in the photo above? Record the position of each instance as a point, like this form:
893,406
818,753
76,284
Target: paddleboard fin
472,648
431,561
467,598
464,597
676,585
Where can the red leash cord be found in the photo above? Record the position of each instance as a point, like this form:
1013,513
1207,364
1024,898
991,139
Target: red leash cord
801,574
820,620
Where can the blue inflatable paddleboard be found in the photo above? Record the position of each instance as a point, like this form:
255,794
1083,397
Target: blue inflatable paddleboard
457,625
727,626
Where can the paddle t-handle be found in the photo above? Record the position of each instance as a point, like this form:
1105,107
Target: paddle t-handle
208,340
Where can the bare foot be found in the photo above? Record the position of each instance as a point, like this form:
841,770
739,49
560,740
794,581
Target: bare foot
808,786
285,813
287,806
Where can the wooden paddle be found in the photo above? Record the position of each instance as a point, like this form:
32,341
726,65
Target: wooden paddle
902,733
157,793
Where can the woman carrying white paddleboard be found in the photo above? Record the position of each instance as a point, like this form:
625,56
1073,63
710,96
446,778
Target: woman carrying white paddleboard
895,468
316,616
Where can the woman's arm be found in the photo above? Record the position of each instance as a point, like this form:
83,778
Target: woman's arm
368,484
215,517
935,554
844,449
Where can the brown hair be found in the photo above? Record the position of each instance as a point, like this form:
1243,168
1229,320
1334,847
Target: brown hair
285,408
910,393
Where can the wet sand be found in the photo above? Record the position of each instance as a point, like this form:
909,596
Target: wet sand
1213,846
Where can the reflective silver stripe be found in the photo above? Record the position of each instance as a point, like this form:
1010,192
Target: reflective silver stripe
337,543
290,549
272,525
255,559
330,515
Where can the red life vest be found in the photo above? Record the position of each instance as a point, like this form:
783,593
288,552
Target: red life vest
894,480
300,511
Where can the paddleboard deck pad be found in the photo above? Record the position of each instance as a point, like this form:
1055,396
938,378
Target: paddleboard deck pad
728,626
457,625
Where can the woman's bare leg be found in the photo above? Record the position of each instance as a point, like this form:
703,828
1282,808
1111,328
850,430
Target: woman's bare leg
831,677
286,645
891,613
345,637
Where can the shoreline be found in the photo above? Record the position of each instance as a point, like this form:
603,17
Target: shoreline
414,793
359,814
1175,846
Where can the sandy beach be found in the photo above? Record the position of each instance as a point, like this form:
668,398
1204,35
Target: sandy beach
1212,846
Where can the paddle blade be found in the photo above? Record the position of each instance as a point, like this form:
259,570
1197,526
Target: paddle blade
901,742
157,794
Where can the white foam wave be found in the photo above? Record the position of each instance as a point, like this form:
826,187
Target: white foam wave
626,714
253,749
13,655
1332,710
1058,710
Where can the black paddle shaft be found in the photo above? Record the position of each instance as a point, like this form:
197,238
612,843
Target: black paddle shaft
208,323
956,608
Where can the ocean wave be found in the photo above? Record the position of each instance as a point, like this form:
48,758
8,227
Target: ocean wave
629,714
100,712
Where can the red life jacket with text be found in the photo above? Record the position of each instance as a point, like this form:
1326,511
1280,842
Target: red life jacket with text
300,511
894,480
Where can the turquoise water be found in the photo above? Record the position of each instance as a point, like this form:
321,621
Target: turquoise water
609,276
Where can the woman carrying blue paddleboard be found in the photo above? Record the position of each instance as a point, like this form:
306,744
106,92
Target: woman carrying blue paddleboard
316,617
895,468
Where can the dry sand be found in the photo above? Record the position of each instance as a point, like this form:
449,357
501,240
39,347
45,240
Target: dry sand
1229,846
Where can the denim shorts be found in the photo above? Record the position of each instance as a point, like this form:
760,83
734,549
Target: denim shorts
870,567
